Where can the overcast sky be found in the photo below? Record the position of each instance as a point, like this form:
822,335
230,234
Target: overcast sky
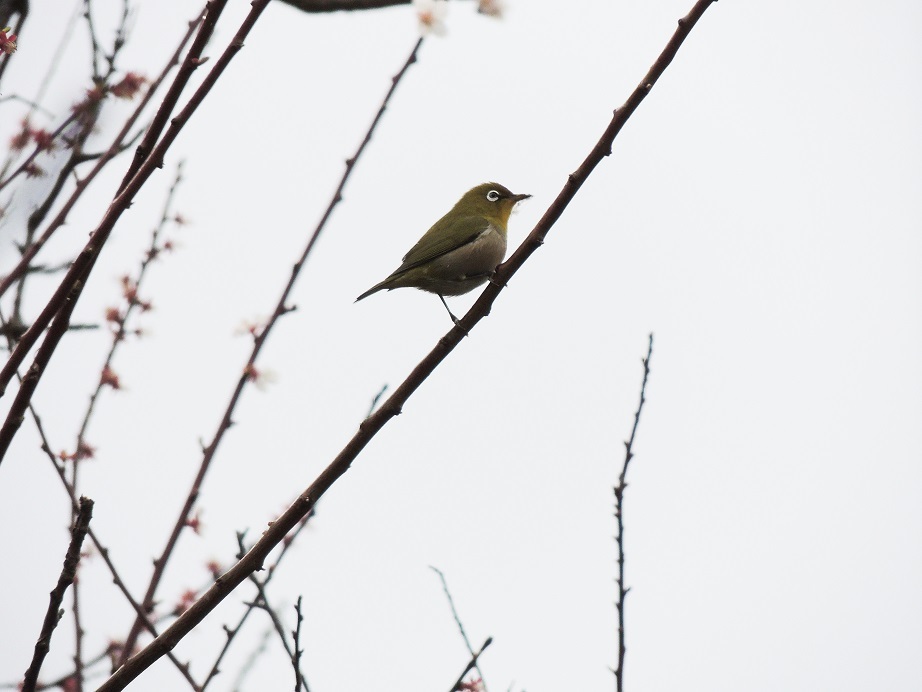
761,214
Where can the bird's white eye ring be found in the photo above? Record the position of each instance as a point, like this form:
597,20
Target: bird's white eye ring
493,195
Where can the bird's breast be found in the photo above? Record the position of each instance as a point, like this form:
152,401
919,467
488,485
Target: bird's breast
481,255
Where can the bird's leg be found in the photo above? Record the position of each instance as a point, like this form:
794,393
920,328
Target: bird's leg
450,314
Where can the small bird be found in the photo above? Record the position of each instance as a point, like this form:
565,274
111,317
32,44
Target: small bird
461,250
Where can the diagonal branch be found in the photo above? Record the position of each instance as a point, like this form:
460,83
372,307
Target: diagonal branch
281,308
470,665
262,602
102,550
277,531
61,305
83,264
68,574
231,633
454,612
114,149
39,148
119,322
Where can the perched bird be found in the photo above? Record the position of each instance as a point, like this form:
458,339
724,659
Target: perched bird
461,250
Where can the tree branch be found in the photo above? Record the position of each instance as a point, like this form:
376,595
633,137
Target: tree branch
270,573
619,499
281,308
277,531
114,149
62,303
470,665
54,612
454,612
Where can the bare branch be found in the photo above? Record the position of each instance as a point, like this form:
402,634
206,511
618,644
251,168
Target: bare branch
376,399
619,500
262,602
278,530
454,612
296,659
54,612
470,665
270,572
39,148
251,660
103,551
62,303
118,337
114,149
281,308
121,319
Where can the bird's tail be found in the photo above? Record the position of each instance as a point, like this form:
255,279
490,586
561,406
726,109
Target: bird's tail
374,289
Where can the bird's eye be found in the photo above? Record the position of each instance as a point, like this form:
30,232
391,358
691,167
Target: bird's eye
492,195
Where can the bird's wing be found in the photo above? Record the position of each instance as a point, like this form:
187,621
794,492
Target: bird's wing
443,237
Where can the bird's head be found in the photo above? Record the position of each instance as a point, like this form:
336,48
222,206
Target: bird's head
490,200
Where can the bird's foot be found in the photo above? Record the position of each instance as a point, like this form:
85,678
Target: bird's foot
452,316
458,324
497,283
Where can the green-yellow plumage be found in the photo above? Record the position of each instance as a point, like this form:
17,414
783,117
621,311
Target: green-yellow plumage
462,249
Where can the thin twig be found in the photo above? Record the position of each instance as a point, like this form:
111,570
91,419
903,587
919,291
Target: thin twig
61,680
376,399
97,543
454,612
259,340
470,665
296,659
61,305
118,337
54,612
52,138
114,149
132,289
33,106
262,602
85,115
183,668
59,52
270,573
251,660
279,529
619,500
95,50
50,71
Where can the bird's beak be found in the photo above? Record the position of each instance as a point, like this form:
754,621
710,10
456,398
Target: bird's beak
519,198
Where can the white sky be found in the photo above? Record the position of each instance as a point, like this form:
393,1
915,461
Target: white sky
761,214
